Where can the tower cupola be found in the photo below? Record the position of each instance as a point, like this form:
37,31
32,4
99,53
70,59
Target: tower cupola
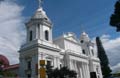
39,26
84,37
84,41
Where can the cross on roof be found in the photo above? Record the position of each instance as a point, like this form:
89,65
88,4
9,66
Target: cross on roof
40,3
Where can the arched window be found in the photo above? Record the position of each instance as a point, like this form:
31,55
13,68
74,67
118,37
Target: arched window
83,51
81,41
92,52
31,35
46,35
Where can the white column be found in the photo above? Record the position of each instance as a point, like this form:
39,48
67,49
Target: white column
22,67
55,62
88,71
83,70
81,75
76,66
38,31
50,34
58,62
101,76
41,32
33,66
27,39
71,65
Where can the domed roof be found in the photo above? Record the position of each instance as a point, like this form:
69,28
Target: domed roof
39,17
4,61
40,14
84,36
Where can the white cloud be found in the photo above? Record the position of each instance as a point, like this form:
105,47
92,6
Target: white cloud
112,48
11,30
116,68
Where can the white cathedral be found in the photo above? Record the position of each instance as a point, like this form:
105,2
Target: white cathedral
66,50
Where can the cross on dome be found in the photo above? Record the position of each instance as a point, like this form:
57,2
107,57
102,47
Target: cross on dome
40,3
82,28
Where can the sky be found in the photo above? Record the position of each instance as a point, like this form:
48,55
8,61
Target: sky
91,16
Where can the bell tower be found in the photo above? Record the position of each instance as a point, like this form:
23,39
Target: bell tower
39,33
39,26
87,45
84,40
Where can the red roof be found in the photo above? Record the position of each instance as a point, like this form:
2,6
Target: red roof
15,66
4,60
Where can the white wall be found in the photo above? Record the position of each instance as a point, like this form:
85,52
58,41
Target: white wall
72,46
68,45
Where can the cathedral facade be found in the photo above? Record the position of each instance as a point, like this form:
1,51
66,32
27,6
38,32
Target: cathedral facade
77,54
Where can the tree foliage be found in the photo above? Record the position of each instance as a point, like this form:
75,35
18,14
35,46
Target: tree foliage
116,75
106,71
5,73
115,17
63,72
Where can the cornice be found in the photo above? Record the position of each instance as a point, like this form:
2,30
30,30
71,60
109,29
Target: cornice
40,46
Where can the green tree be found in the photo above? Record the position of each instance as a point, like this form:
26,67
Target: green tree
1,68
49,71
56,73
9,74
106,71
5,73
72,74
63,72
115,17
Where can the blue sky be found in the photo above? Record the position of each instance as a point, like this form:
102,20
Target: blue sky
91,16
67,16
72,15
